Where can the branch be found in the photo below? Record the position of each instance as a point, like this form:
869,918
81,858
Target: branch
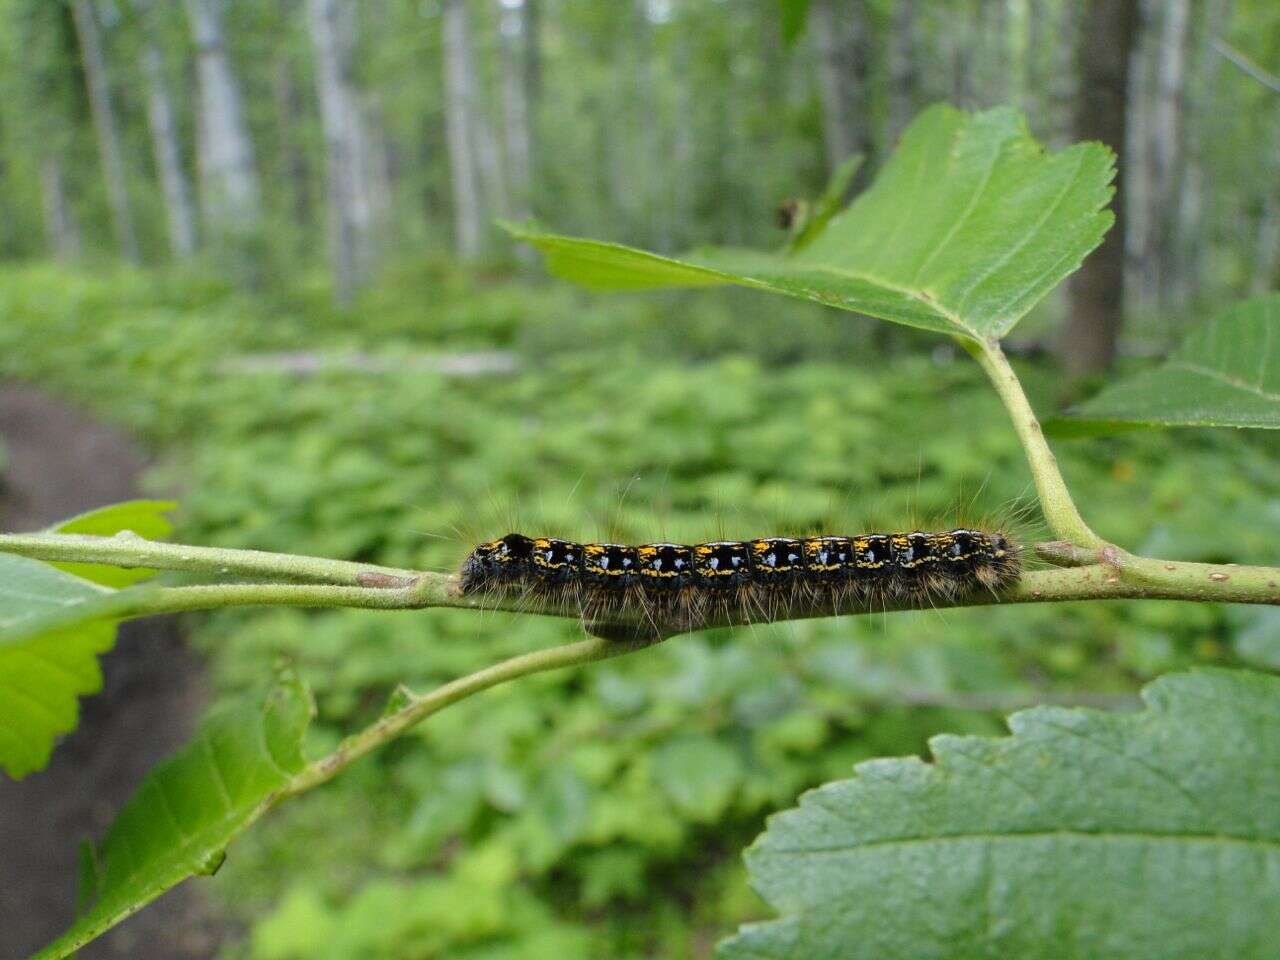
1055,500
415,708
127,549
1080,573
1267,79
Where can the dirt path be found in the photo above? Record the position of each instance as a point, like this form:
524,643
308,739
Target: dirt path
60,462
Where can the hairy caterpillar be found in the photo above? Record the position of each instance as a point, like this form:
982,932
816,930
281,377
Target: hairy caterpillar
673,584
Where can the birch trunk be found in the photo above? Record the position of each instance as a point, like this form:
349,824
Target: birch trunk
291,159
1200,125
164,136
1096,291
98,83
459,126
59,219
839,29
1138,160
514,24
1166,133
230,193
904,75
351,206
1267,253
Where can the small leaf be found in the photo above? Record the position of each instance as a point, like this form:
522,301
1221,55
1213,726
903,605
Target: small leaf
967,227
146,518
400,698
827,205
1083,836
191,806
1225,374
47,660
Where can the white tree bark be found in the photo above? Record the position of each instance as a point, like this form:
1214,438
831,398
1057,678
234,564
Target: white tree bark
98,83
59,219
839,29
1166,134
352,213
1139,172
1267,253
460,93
1200,126
291,159
514,25
230,193
904,75
179,212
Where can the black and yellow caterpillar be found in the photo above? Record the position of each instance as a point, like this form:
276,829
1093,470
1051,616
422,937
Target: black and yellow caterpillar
743,579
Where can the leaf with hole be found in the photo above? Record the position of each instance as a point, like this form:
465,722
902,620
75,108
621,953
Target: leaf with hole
1083,836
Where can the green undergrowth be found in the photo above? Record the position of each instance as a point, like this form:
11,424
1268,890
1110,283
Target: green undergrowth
601,812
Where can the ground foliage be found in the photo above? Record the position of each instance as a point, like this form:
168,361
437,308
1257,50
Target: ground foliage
575,811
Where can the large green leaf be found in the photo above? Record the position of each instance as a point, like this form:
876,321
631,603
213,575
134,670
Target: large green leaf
967,227
189,808
145,518
47,660
1225,374
1084,835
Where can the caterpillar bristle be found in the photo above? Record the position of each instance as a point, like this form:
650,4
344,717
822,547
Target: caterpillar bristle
676,587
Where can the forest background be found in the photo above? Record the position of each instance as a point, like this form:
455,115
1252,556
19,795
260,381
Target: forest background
259,237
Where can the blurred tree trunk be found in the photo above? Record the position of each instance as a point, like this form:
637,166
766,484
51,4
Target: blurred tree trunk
1017,44
1062,38
292,159
59,219
1166,136
513,25
1201,120
1267,251
460,93
960,44
840,34
531,33
98,83
351,206
904,75
230,193
164,137
1096,291
494,195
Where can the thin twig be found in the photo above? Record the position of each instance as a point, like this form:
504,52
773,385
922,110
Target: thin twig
1267,79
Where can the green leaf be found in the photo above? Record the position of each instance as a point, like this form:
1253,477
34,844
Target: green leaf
47,660
967,227
794,14
1225,374
145,518
700,775
53,627
1084,835
190,807
827,205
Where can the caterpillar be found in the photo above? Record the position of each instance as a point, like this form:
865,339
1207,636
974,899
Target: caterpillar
687,586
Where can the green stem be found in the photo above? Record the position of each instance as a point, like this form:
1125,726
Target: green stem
130,550
417,708
1078,577
1055,500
